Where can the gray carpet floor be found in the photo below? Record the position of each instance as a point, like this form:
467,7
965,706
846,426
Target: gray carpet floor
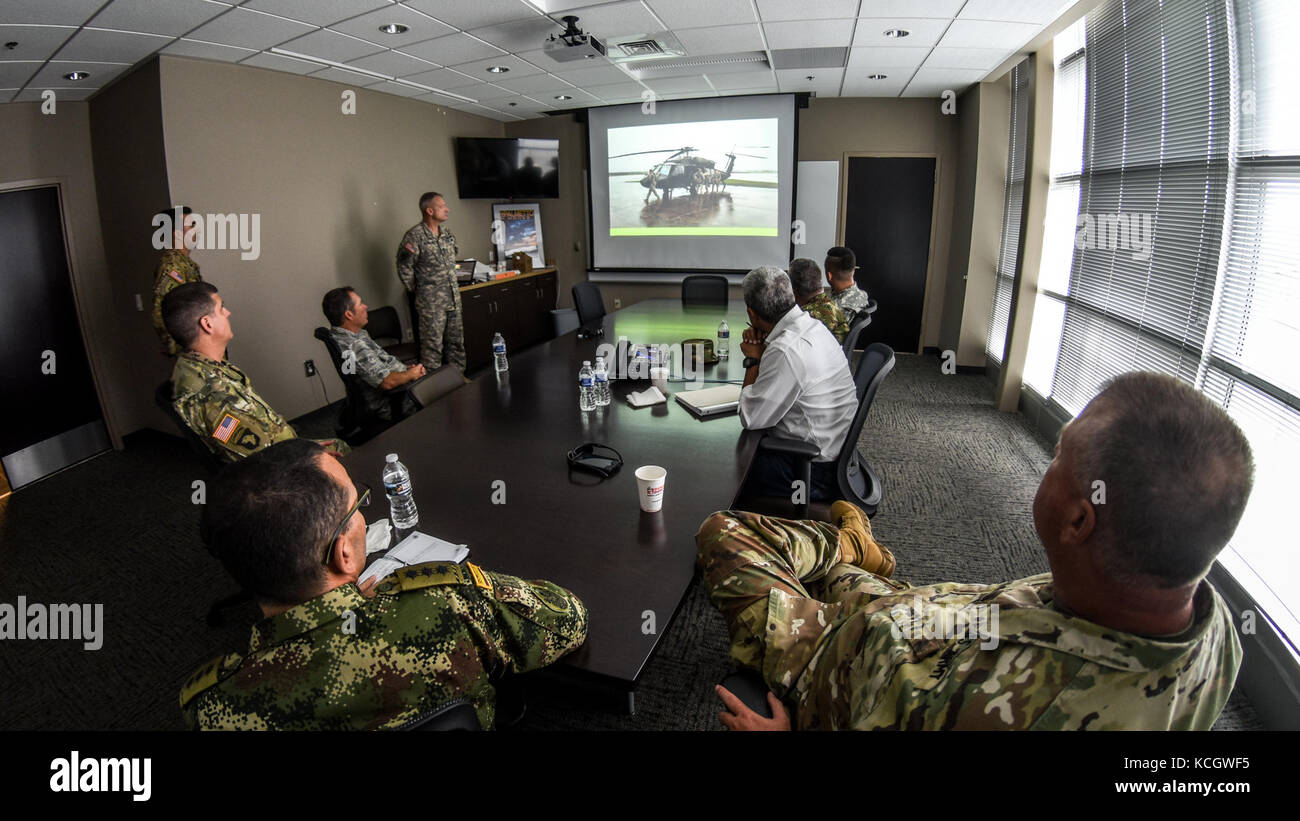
121,529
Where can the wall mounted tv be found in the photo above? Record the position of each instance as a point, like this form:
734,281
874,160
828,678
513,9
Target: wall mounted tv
505,168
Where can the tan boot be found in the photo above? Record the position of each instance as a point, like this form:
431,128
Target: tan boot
857,545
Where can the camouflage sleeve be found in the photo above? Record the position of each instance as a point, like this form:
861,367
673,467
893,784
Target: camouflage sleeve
534,623
841,325
163,284
408,251
228,430
373,362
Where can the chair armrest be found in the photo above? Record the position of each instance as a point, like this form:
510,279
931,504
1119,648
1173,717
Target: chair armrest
793,447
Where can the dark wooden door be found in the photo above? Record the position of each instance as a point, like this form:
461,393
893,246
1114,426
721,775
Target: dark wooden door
476,307
887,219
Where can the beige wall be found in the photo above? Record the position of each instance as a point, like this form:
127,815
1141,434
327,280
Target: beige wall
131,181
335,193
55,148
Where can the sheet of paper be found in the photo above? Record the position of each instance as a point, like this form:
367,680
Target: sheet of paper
649,396
417,548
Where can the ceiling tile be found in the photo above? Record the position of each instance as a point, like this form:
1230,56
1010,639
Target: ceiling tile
825,80
946,9
618,92
453,49
855,85
678,85
61,95
545,84
278,63
332,46
111,46
729,81
721,39
581,99
873,57
932,82
594,75
100,74
317,12
1041,12
688,14
207,51
479,68
475,14
49,12
249,29
985,59
389,87
34,42
491,91
174,18
610,20
922,32
444,78
15,73
985,34
806,9
811,34
347,78
524,35
392,63
419,27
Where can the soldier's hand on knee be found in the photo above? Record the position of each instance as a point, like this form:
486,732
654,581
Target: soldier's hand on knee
741,717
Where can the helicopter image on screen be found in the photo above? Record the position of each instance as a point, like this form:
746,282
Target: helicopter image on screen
685,171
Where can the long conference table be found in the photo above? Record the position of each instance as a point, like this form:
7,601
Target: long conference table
632,569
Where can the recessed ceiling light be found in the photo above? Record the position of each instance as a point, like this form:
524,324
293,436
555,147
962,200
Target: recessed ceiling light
563,97
512,104
896,33
498,69
877,76
394,28
76,75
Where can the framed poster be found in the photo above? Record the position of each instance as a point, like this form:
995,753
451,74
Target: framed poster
518,227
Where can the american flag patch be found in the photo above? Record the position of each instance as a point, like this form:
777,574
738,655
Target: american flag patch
226,428
176,275
410,247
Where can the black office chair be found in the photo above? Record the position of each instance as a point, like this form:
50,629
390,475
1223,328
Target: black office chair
162,397
588,301
871,307
851,339
858,481
356,424
563,320
386,329
704,289
457,714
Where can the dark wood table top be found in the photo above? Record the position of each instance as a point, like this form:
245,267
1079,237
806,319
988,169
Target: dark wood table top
588,536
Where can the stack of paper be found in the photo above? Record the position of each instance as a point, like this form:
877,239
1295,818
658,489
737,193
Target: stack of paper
416,548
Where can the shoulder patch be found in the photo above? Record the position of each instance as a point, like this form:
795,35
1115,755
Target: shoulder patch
209,674
410,248
176,275
480,578
225,428
431,574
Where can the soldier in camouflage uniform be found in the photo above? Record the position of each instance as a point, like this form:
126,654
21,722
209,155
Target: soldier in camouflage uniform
378,370
330,655
809,605
174,268
214,397
426,264
852,300
806,279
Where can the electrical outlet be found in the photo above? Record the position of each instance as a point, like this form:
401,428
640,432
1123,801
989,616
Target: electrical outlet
310,367
139,303
618,303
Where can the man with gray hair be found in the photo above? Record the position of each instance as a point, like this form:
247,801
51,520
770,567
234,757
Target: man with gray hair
797,383
806,279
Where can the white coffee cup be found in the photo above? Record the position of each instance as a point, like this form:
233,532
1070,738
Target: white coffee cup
650,487
659,378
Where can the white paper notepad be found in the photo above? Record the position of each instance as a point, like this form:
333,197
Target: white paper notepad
417,548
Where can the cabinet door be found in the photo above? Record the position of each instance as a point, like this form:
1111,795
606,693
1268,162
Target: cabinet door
476,310
503,316
546,283
528,312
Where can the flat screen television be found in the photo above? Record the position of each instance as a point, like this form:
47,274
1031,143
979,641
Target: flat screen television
507,168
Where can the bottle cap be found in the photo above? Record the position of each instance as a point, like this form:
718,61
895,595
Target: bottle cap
392,457
586,363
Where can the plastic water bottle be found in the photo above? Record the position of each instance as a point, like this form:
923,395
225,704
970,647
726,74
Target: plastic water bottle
724,340
602,382
499,352
401,501
586,387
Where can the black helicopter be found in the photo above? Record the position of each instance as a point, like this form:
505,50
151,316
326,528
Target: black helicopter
681,169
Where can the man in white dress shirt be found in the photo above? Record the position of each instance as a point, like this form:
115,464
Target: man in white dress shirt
797,383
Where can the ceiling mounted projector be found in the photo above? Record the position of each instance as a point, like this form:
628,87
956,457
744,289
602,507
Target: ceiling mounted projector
572,44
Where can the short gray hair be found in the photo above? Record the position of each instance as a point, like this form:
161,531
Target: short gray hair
768,292
805,277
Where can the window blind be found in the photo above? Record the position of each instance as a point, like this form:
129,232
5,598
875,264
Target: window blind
1012,207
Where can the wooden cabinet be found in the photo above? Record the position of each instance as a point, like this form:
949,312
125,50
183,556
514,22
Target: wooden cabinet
518,308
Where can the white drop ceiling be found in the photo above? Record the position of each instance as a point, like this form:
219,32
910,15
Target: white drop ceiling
449,45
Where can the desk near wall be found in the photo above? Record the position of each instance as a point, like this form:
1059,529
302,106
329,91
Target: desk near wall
519,308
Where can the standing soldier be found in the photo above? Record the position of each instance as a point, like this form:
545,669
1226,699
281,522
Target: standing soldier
174,268
652,178
426,264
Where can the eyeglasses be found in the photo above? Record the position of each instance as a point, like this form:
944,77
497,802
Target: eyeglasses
363,500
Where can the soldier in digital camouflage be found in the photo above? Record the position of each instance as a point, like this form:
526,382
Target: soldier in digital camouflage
1125,632
377,369
426,264
175,267
852,300
806,278
330,655
214,397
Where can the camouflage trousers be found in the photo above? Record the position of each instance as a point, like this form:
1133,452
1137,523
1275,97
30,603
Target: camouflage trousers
441,329
785,596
